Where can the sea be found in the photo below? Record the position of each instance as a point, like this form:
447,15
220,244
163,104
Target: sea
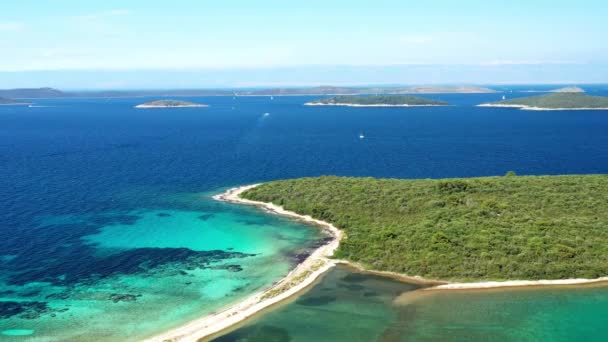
108,231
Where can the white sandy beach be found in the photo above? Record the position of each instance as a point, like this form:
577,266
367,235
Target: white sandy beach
516,283
297,280
308,271
523,107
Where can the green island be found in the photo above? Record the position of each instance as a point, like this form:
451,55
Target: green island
11,102
467,229
555,101
379,100
169,104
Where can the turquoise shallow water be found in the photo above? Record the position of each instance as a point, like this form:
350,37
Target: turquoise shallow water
164,268
350,306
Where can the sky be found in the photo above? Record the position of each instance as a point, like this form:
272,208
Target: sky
188,43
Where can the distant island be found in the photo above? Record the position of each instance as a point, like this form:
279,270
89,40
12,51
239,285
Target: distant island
11,102
556,101
572,89
330,90
170,104
465,230
295,91
377,101
568,90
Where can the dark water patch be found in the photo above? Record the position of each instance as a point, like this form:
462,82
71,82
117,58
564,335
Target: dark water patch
352,287
205,217
123,297
316,301
24,310
163,215
355,278
7,293
88,269
299,257
59,295
29,293
257,333
107,220
230,268
370,294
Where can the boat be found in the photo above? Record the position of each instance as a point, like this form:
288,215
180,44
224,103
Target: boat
266,114
361,136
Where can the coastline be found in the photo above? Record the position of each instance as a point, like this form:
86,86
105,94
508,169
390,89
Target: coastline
370,105
293,283
307,272
524,107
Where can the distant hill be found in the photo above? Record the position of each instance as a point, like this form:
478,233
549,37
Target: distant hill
568,90
330,90
8,102
169,104
31,93
376,101
321,90
556,101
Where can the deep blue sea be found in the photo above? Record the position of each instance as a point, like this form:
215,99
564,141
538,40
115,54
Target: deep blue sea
106,217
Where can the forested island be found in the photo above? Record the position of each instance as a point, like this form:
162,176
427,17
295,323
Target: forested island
169,104
377,101
11,102
556,101
469,229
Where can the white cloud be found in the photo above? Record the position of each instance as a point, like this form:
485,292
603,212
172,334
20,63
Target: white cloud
11,26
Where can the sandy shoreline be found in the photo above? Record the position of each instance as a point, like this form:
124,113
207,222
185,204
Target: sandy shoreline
524,107
308,271
298,279
370,105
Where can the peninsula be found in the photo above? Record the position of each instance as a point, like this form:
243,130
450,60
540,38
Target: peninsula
555,101
169,104
377,101
11,102
471,232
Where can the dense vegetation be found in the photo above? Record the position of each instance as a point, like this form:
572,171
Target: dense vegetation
380,100
560,100
511,227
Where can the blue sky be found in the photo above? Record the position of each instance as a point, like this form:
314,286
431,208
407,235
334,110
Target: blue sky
267,41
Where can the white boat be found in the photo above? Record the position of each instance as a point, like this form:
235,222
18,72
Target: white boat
266,114
272,97
504,97
361,136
